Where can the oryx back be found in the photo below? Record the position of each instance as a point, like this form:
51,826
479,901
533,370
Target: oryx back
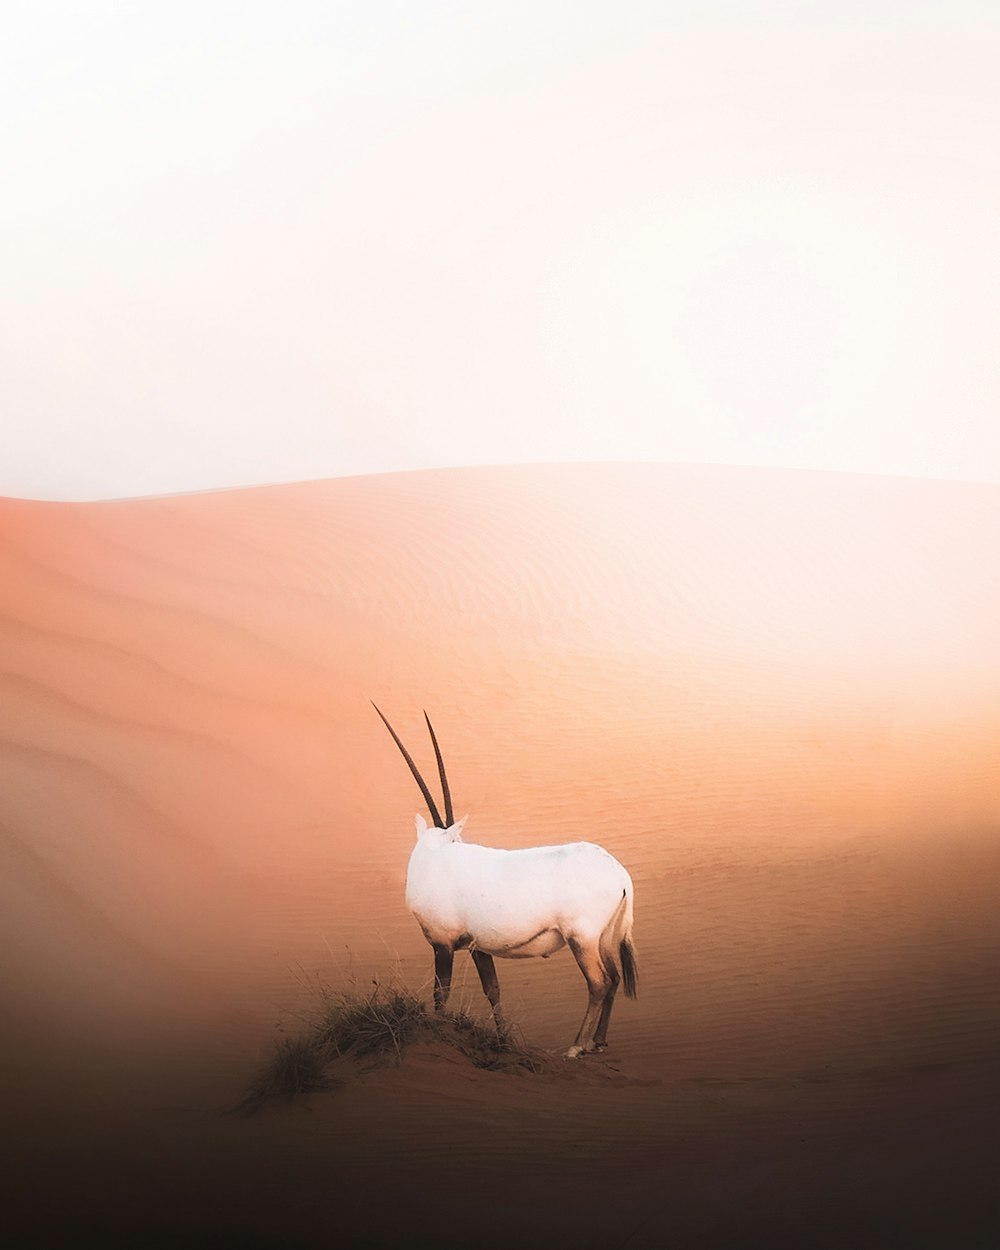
515,904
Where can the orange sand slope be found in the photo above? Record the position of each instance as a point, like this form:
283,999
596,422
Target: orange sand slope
774,696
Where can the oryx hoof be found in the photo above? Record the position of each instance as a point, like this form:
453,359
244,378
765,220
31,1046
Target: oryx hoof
577,1052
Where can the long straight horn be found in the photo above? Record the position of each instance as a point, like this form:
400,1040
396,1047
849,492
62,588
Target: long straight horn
431,805
449,815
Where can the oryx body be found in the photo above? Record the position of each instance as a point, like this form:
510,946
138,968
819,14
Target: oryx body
520,904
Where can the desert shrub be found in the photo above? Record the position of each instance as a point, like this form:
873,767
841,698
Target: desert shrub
375,1027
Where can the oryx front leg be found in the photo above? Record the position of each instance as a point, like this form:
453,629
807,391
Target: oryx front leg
491,987
599,985
444,957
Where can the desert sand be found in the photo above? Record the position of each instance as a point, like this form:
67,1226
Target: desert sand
774,696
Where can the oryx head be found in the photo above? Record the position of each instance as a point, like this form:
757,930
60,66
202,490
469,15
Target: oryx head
450,827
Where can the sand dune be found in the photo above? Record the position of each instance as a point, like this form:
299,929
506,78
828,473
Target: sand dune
774,696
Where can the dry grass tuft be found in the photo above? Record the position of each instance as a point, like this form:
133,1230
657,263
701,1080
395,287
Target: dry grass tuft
374,1028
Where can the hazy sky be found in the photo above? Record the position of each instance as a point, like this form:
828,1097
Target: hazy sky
252,241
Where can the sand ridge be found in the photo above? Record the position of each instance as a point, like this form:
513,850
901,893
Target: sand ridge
774,696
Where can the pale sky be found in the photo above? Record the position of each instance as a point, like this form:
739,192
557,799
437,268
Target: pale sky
249,242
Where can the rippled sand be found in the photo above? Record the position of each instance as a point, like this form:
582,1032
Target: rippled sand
774,696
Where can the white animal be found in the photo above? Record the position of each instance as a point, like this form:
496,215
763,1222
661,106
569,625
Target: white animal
518,905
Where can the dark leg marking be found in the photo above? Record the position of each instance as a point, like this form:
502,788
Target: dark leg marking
444,957
601,1036
491,986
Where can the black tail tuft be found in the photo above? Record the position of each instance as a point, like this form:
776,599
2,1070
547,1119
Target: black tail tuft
629,969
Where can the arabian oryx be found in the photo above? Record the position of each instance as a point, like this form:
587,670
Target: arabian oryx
518,905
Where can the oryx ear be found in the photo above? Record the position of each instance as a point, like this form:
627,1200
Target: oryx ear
421,825
458,826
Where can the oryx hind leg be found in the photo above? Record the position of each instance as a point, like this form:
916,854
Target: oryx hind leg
588,956
601,1034
444,958
491,987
